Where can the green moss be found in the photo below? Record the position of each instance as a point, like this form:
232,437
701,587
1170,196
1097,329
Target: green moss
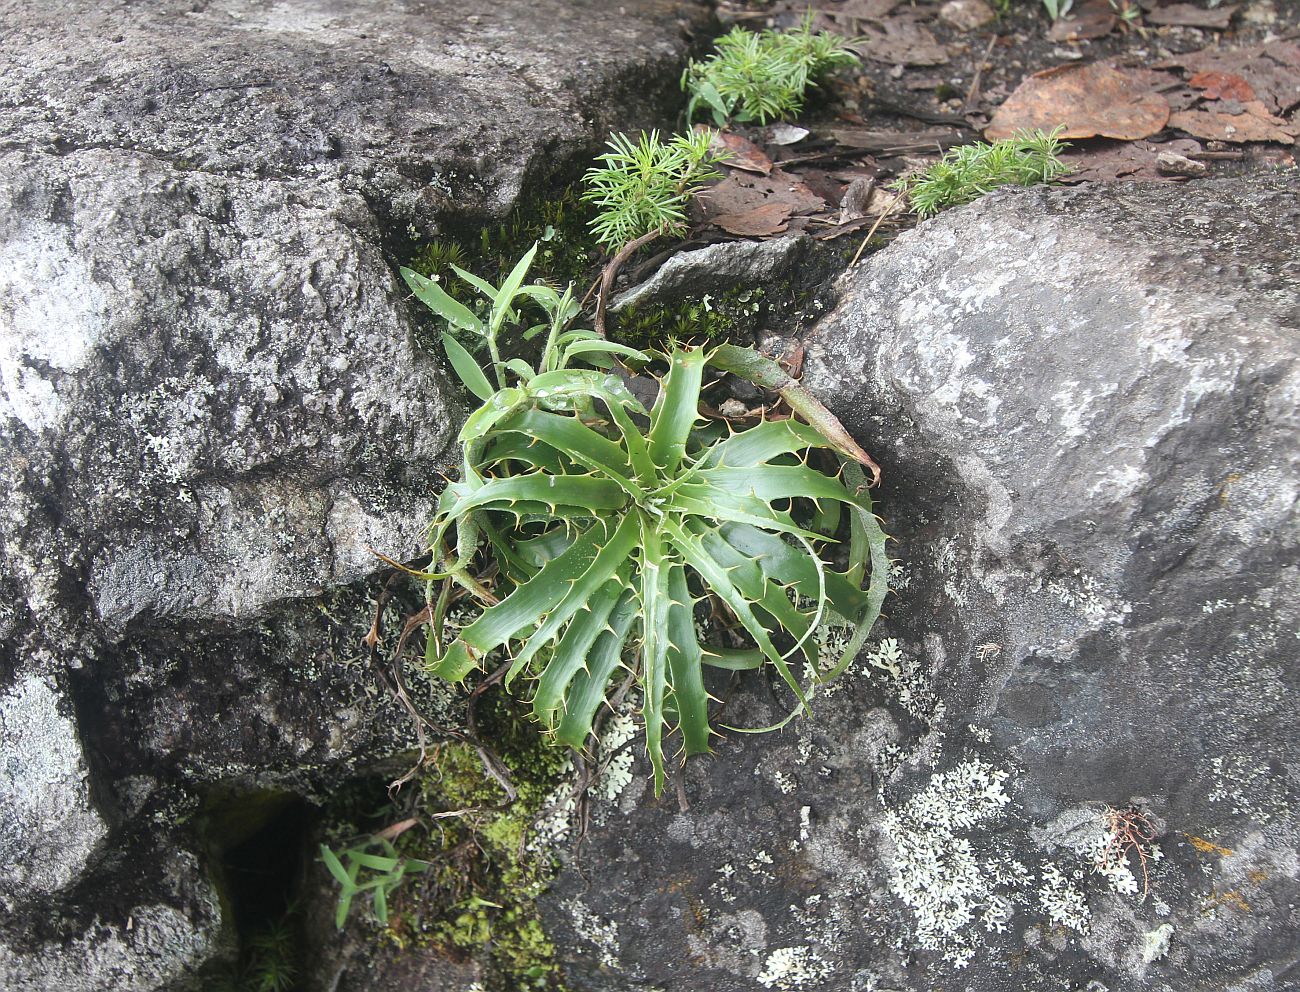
567,251
731,316
478,898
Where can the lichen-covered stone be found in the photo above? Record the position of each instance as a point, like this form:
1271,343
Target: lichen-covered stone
49,830
1067,760
212,408
152,925
205,350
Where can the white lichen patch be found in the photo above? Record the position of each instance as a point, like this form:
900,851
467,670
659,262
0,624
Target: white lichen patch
1062,900
555,821
783,782
1084,595
791,968
935,869
1155,945
603,934
1239,783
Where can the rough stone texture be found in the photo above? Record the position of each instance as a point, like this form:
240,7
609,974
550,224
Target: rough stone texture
154,926
48,828
717,269
203,345
211,405
1085,403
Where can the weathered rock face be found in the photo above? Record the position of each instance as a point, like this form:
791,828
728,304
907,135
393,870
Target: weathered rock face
205,350
1086,404
211,406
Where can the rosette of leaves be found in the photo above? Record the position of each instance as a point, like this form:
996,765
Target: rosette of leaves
762,76
611,528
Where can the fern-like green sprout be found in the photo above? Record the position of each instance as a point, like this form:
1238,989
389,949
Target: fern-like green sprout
643,185
360,871
273,952
761,76
611,527
966,173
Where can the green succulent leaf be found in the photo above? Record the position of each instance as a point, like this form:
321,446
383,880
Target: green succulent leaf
466,368
607,534
436,299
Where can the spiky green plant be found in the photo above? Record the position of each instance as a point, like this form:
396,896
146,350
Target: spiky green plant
273,953
761,76
643,185
609,524
966,173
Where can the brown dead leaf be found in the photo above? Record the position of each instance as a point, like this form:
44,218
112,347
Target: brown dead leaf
900,40
1094,19
1190,16
739,193
739,153
1222,86
1254,123
853,205
1107,161
1087,100
761,222
1272,71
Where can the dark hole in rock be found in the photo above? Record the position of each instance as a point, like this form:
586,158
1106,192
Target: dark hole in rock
259,848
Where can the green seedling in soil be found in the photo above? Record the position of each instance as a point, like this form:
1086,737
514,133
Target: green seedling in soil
642,186
966,173
762,76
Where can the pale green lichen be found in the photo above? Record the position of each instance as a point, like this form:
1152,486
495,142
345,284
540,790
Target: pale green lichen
1155,945
936,872
790,968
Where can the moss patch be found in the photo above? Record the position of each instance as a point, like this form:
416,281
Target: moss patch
478,898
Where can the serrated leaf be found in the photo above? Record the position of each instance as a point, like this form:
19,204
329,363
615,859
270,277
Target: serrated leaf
686,677
571,437
655,601
587,691
762,443
539,595
676,410
611,555
587,492
692,551
776,482
570,655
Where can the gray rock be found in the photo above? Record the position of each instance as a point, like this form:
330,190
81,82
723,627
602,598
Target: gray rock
212,407
49,830
717,269
163,939
1085,404
205,350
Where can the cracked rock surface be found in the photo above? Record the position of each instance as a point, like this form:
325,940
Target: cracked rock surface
1068,759
212,406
